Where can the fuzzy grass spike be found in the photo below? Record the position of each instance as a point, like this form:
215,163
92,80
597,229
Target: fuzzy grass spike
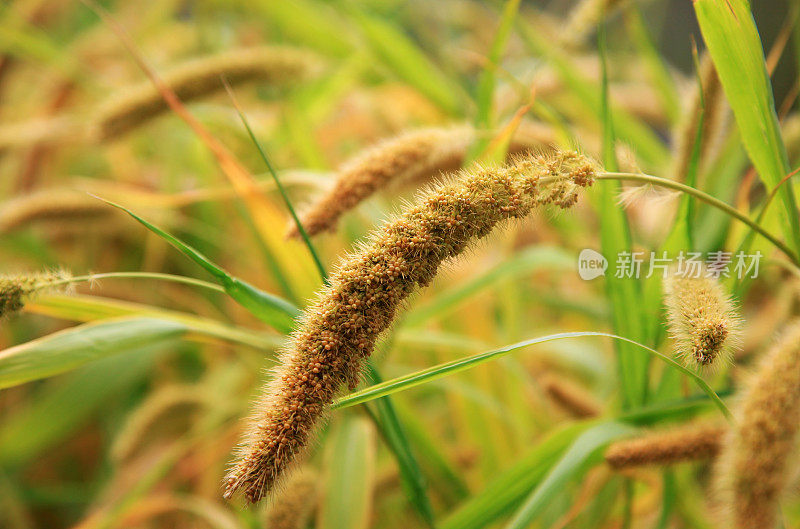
689,443
756,461
702,319
338,332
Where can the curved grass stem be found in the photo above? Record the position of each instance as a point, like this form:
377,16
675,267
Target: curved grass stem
135,275
708,199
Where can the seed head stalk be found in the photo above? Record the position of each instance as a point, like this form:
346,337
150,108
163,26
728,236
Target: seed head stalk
708,199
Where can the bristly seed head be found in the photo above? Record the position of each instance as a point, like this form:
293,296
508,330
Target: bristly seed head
702,319
338,332
755,464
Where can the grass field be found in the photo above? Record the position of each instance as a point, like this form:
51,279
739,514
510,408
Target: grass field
358,264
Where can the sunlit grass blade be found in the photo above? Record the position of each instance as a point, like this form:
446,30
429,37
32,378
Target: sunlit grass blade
70,348
269,308
735,46
585,451
438,371
507,490
93,308
350,476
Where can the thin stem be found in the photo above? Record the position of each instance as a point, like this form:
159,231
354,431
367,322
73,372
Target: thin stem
279,185
135,275
708,199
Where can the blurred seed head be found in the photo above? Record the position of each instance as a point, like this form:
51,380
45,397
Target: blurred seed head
293,507
689,443
198,78
755,464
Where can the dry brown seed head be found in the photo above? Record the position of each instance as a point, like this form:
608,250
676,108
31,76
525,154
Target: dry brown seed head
364,295
411,157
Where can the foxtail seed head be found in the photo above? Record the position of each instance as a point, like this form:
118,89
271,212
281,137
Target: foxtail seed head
702,319
338,331
571,397
50,204
757,455
689,443
16,290
410,157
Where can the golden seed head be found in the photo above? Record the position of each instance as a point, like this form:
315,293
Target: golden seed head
702,319
755,464
198,78
337,333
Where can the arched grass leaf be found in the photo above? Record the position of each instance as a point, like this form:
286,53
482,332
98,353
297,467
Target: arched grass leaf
271,309
462,364
584,452
70,348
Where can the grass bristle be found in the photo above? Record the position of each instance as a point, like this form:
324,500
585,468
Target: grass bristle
16,290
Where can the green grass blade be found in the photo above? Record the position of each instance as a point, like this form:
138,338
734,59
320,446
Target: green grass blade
92,308
70,348
585,451
406,60
350,476
63,407
394,435
269,308
484,119
455,366
509,489
615,239
300,228
657,68
520,264
733,41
